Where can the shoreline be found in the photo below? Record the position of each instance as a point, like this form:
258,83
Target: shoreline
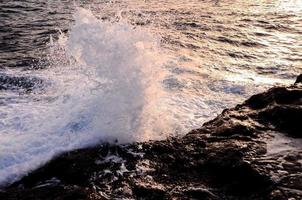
227,158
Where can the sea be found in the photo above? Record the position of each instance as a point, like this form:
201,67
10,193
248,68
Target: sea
74,73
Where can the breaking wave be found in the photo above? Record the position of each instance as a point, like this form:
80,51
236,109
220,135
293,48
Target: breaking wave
98,86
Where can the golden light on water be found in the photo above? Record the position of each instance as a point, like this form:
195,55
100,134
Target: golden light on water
256,79
290,5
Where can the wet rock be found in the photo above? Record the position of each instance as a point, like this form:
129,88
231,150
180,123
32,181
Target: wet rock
299,79
292,166
199,193
278,95
293,181
286,118
295,156
149,190
224,159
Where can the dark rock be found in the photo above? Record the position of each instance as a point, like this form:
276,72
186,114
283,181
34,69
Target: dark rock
286,118
293,181
299,79
149,191
199,193
279,95
293,156
225,159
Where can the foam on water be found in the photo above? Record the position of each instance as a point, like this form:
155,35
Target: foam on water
98,87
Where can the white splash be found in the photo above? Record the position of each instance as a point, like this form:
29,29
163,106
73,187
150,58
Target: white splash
98,85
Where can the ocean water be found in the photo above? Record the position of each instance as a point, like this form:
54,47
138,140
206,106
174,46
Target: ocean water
76,73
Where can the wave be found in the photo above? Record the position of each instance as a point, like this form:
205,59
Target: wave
98,87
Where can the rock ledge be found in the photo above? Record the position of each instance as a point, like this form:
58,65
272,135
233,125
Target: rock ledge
252,151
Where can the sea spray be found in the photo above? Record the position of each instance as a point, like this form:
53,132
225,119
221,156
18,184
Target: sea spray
97,88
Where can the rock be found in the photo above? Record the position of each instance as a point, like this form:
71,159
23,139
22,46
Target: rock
149,190
299,79
224,159
199,193
293,181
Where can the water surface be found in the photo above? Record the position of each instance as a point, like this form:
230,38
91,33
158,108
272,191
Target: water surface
74,73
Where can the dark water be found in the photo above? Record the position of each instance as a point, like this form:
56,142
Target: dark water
132,70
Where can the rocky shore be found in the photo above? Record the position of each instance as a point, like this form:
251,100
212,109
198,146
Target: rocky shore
252,151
